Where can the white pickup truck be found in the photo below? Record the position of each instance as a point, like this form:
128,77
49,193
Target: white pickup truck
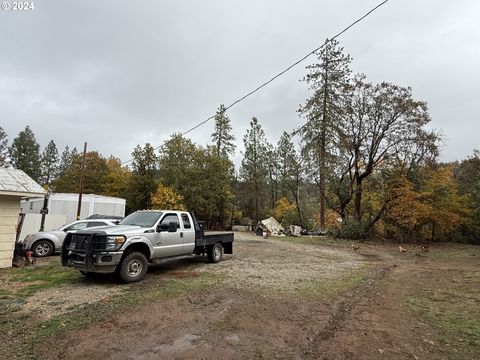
139,239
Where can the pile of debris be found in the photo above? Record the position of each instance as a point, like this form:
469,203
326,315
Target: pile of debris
269,227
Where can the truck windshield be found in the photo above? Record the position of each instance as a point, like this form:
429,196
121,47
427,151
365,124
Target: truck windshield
141,218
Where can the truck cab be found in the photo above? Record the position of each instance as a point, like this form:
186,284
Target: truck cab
141,237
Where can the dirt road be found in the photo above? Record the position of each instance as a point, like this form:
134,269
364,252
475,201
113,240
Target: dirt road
277,299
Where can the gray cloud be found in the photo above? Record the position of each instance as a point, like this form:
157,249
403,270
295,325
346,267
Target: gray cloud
119,73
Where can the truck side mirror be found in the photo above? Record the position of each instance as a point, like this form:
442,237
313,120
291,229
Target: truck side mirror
172,226
162,227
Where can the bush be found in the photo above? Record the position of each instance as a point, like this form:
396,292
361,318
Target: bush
352,229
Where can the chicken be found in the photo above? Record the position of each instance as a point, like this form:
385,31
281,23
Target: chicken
355,247
402,249
424,248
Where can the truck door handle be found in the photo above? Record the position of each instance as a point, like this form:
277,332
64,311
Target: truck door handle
181,235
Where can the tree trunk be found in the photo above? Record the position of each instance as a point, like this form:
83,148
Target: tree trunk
358,200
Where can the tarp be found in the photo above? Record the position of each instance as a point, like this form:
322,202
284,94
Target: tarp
271,226
294,230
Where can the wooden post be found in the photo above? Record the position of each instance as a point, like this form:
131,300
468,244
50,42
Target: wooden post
82,176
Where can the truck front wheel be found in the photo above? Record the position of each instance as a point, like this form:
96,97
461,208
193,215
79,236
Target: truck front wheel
133,267
215,253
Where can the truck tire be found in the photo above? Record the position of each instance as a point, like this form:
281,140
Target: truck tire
133,267
42,248
215,253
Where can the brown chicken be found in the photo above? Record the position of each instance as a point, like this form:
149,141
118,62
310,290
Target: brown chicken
424,248
355,247
402,249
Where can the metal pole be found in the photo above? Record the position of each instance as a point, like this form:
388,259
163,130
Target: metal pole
44,211
82,176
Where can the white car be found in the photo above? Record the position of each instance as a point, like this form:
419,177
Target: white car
45,243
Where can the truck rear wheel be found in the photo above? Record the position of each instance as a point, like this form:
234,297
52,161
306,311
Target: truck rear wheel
215,253
133,267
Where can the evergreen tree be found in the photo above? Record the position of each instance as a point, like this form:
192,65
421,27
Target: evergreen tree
117,178
222,136
95,179
254,169
176,161
65,160
49,164
142,182
3,147
25,153
289,168
200,176
328,80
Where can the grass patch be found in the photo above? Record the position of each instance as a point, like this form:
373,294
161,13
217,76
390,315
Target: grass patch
23,282
335,286
454,310
455,252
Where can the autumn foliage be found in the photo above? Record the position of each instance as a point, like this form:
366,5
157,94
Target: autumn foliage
167,198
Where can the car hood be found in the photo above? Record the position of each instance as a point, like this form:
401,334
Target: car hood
116,230
45,234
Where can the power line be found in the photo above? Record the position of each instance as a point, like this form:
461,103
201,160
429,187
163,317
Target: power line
279,74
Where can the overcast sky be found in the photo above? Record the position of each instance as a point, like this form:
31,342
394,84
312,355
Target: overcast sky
121,73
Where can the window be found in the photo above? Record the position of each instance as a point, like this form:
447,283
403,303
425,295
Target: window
91,224
186,221
142,218
77,226
170,218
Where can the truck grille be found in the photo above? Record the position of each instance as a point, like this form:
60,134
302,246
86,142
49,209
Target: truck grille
85,242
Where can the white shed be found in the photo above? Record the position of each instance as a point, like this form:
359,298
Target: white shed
14,185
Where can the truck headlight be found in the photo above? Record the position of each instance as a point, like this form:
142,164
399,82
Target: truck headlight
114,242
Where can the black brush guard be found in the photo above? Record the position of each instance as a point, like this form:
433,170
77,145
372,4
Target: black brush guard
83,246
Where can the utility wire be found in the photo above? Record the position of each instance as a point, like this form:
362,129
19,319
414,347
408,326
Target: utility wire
279,74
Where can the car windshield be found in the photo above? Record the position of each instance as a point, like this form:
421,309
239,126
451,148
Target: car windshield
141,218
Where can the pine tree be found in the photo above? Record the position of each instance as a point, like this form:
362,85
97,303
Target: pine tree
49,164
254,170
142,182
25,153
96,172
327,79
289,168
117,178
3,147
222,136
65,160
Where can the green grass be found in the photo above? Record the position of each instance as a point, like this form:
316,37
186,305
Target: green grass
44,277
26,281
463,252
454,310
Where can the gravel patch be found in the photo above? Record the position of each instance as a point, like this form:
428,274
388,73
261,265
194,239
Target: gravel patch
277,265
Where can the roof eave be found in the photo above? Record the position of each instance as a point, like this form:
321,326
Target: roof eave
21,194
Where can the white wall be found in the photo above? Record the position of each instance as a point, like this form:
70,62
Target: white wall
31,223
66,204
9,206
